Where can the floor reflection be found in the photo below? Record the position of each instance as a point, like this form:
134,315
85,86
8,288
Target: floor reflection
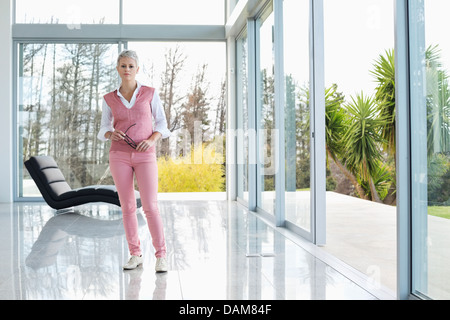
216,250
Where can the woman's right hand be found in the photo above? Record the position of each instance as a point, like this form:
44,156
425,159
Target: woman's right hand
117,135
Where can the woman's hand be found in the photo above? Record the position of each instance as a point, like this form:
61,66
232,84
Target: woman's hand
150,142
144,145
117,135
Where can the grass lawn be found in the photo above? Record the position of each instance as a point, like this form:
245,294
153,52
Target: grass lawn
443,212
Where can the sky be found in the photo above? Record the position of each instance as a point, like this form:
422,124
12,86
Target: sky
354,38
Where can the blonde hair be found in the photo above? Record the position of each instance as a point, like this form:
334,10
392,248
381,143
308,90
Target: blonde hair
128,54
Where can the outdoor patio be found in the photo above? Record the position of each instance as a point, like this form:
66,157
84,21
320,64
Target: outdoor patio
362,234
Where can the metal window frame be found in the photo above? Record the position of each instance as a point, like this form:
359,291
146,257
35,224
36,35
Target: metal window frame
317,122
403,152
409,157
7,85
256,22
236,134
119,32
252,105
280,154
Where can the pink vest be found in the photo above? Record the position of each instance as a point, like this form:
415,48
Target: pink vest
124,118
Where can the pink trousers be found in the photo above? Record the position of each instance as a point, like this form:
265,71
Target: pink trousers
123,166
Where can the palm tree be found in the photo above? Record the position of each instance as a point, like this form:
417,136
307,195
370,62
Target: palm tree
384,73
335,127
382,180
363,138
438,99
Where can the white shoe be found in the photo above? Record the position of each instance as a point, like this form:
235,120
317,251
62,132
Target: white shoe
161,265
133,263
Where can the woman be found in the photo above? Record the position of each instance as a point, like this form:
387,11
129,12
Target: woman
127,122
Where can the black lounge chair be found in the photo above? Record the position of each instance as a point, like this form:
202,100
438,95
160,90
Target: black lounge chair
57,192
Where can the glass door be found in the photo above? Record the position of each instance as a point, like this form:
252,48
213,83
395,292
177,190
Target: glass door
265,112
360,136
297,113
242,113
430,147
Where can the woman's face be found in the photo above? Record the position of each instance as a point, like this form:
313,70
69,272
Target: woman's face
127,68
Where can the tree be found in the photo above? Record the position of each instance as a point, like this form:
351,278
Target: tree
291,137
362,139
34,57
301,123
384,73
196,108
221,111
267,123
335,129
63,98
170,99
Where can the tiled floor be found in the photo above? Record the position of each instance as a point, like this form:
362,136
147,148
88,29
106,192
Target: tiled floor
216,250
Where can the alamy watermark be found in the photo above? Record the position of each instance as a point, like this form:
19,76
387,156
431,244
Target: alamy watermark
213,151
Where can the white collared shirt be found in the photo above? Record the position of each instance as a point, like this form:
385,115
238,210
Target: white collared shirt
158,113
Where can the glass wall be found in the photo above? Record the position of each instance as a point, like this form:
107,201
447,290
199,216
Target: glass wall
297,112
60,104
242,121
61,86
265,114
430,147
360,135
60,91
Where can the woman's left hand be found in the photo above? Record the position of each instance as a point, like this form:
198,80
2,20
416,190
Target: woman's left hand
145,145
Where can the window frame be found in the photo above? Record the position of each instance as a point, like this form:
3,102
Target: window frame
119,34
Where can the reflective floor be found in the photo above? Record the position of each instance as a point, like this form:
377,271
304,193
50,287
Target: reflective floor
216,250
